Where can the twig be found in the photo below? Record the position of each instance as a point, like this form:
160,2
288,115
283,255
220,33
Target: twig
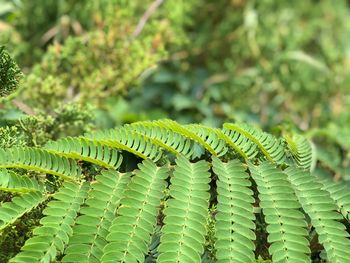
151,9
50,34
23,107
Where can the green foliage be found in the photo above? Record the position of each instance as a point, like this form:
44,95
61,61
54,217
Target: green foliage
35,25
301,149
37,129
239,143
164,129
235,66
15,183
184,230
286,224
332,150
171,141
94,64
339,192
321,209
10,74
234,219
11,136
13,237
130,232
60,214
137,216
82,149
91,229
39,160
271,147
99,63
127,140
19,205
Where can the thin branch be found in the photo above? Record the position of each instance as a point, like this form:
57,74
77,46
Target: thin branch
151,9
50,34
23,107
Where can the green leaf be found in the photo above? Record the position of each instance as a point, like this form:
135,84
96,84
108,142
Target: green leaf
234,230
321,209
50,239
132,229
183,234
287,233
91,228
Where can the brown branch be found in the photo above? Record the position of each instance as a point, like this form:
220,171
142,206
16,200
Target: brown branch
151,9
23,107
50,34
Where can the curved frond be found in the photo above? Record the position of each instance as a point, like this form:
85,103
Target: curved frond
165,138
321,209
339,192
239,143
92,226
183,234
270,146
50,239
132,229
234,220
301,150
286,224
210,135
15,183
127,140
39,160
19,205
179,129
89,151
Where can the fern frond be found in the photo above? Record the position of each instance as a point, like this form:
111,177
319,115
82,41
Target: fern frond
210,135
271,147
50,239
39,160
179,129
92,226
165,138
19,205
132,229
183,234
286,224
234,220
239,143
321,209
301,150
82,149
15,183
127,140
339,192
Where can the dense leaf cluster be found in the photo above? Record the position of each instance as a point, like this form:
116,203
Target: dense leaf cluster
10,74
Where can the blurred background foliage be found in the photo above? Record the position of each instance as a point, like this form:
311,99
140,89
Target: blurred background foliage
283,65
